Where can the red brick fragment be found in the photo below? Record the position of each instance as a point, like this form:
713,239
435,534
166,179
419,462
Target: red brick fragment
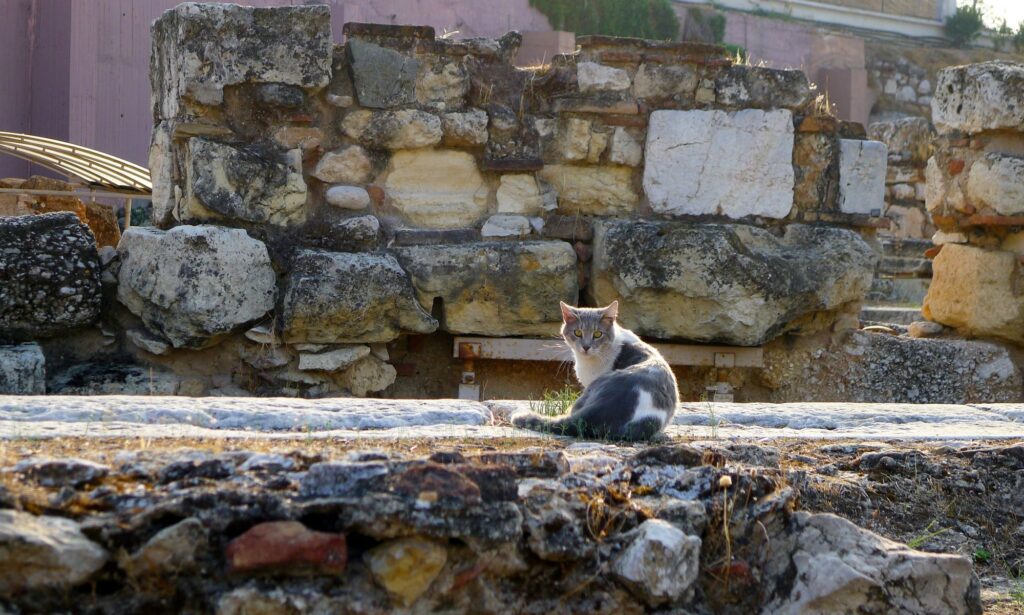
287,546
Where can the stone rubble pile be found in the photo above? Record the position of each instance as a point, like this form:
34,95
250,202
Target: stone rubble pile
596,528
975,194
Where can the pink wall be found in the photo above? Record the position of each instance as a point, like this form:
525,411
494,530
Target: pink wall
79,71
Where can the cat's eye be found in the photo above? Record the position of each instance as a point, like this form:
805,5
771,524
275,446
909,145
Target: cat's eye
578,332
597,334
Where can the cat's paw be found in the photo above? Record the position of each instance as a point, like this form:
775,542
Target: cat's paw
521,418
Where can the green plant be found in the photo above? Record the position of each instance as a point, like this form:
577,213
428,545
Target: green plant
918,541
964,26
1018,39
654,19
1003,36
555,403
1017,592
982,555
739,54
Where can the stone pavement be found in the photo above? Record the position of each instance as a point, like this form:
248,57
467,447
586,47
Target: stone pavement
224,417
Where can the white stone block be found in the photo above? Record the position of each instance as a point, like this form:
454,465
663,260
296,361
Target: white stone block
503,225
862,176
594,77
712,162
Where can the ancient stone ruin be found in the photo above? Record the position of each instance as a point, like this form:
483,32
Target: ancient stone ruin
327,216
328,219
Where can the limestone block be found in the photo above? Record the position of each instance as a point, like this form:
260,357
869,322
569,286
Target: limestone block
495,288
44,553
862,167
660,563
976,291
199,49
977,97
715,162
443,85
50,272
383,77
503,225
347,197
908,139
22,370
332,360
666,82
247,184
306,138
519,194
437,188
192,284
766,88
464,128
346,165
574,139
161,169
997,181
406,567
727,283
350,298
593,77
626,147
402,129
600,191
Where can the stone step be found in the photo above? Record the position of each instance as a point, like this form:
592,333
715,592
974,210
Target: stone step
895,315
375,419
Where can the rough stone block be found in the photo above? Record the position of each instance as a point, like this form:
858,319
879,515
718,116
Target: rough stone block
862,167
402,129
601,191
50,272
712,162
347,197
247,184
346,165
192,284
22,370
997,181
442,85
383,77
976,292
626,147
437,188
350,298
519,194
495,289
726,283
664,83
766,88
199,49
593,77
504,225
465,128
977,97
909,140
44,553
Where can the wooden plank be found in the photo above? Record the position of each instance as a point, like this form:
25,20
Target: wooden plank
553,349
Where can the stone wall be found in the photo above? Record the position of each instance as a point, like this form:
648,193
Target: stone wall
976,198
316,202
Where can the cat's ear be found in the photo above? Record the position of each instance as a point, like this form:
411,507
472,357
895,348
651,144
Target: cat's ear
611,312
568,314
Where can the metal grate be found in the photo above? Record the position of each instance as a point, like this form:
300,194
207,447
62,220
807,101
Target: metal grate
96,169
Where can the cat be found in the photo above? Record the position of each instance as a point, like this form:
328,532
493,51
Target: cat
629,391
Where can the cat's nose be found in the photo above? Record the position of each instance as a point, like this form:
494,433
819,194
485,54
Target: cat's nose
585,346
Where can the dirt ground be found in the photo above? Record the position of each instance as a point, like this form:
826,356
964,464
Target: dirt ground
967,500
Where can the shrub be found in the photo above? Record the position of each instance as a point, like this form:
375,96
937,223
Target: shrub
654,19
1002,36
964,26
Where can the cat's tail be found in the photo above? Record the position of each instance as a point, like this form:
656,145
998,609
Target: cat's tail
559,426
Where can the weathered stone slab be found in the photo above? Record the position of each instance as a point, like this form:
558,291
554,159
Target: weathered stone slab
437,188
22,370
192,284
976,292
593,78
600,191
348,298
402,129
383,77
909,140
199,49
346,165
465,129
44,553
519,194
50,272
713,162
732,284
763,88
495,289
862,167
247,184
974,98
997,181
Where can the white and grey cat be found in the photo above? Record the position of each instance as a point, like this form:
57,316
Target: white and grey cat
629,391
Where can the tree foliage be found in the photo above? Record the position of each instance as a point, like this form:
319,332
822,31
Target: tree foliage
652,19
964,26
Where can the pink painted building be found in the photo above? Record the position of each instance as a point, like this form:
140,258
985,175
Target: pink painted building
78,70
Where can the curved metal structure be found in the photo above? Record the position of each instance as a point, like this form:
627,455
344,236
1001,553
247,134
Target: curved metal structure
95,169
